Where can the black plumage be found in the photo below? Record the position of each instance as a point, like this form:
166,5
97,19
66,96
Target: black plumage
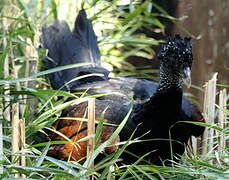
157,108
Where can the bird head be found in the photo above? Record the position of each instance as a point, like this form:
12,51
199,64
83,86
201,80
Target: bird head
176,58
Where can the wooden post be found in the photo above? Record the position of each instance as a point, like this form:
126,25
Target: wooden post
91,128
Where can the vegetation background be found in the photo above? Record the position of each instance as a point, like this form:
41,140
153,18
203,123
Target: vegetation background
129,34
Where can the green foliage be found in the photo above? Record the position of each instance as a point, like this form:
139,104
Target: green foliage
118,24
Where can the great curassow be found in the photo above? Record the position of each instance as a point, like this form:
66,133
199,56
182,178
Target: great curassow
157,109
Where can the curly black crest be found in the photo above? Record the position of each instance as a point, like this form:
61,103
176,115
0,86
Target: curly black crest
177,49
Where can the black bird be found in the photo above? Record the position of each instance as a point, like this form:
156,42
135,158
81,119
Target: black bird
157,109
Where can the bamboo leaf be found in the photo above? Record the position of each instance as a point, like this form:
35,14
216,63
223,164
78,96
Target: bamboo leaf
43,73
54,9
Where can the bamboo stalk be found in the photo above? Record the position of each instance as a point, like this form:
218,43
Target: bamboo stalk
16,144
205,135
11,113
7,110
1,146
91,128
22,144
194,144
30,69
19,130
15,134
222,118
209,113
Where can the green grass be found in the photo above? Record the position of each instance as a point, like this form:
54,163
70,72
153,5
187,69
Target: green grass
39,108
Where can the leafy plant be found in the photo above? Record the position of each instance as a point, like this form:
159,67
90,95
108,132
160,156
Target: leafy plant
117,24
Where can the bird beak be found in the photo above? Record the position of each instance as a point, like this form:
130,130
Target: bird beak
187,77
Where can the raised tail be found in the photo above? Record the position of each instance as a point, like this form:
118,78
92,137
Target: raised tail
66,47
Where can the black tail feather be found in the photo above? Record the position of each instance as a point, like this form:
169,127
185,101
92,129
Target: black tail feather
84,32
66,47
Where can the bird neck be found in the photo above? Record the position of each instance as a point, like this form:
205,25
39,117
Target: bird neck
169,92
165,105
168,97
169,81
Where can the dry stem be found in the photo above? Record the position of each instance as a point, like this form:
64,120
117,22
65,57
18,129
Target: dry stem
91,127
